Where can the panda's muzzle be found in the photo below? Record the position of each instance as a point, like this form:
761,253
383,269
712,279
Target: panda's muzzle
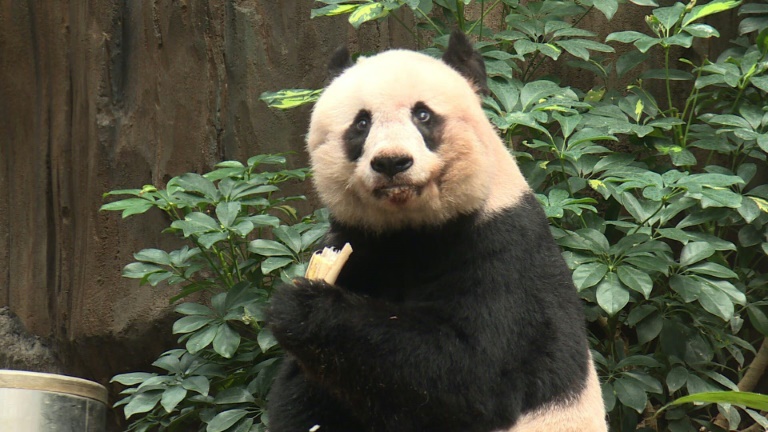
390,166
397,193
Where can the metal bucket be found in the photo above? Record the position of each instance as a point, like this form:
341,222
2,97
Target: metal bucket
41,402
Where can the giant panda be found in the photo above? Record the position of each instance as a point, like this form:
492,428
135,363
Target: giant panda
456,311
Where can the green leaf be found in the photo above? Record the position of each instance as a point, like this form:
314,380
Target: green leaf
223,420
587,275
142,402
649,263
290,98
635,279
669,16
172,396
130,206
290,236
649,383
609,396
367,12
139,270
580,47
196,223
701,30
227,212
199,384
694,252
649,328
594,239
192,182
331,10
713,7
716,302
747,399
209,239
607,7
506,92
696,384
762,38
234,395
190,323
629,61
720,197
201,339
730,120
193,309
676,378
156,256
631,394
266,339
611,295
628,36
688,288
269,248
663,74
226,341
133,378
535,91
639,313
273,263
713,269
265,220
758,319
589,134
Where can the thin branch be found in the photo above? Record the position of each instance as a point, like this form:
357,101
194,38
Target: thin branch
750,379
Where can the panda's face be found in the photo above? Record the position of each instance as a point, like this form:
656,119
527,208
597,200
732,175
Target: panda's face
398,140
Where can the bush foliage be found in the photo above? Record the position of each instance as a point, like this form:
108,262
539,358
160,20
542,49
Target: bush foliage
243,236
654,189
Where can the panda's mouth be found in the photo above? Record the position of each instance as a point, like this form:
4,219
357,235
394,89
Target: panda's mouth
397,194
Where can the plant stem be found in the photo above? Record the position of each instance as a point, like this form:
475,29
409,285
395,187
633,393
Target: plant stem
408,29
694,98
234,259
210,261
750,379
484,13
432,23
667,80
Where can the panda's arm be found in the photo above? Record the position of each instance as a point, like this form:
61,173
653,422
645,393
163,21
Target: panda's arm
407,354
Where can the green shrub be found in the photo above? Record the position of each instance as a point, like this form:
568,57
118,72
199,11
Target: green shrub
655,197
220,378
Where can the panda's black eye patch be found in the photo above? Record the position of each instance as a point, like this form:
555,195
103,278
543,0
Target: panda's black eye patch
429,124
357,132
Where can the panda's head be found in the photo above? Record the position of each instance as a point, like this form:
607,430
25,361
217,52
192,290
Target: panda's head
400,140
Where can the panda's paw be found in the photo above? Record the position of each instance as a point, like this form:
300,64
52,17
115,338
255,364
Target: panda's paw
295,311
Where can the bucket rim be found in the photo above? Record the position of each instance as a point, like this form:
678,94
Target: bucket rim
26,380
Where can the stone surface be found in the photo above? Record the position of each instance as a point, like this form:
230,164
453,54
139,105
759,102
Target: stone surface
22,350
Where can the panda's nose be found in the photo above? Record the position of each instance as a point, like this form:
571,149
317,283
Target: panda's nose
391,165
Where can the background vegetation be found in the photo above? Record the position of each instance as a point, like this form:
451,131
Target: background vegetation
654,190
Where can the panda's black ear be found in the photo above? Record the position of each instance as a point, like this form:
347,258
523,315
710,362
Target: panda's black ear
462,57
340,60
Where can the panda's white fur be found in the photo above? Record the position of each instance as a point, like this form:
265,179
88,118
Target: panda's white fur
476,170
470,173
585,413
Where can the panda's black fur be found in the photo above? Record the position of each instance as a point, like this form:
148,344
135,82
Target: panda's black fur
463,326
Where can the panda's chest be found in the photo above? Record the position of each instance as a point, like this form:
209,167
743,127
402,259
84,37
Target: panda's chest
408,266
